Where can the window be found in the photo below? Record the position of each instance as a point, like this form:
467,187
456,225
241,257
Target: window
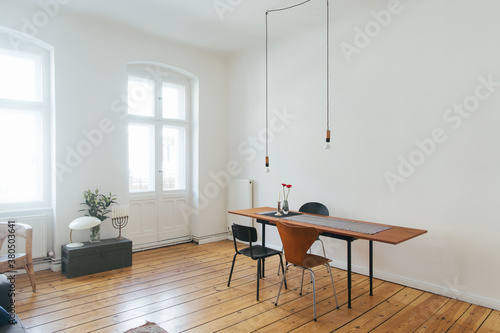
141,156
158,129
25,108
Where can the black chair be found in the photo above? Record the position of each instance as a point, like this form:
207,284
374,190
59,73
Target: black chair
256,252
315,208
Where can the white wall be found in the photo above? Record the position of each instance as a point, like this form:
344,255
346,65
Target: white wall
393,91
91,56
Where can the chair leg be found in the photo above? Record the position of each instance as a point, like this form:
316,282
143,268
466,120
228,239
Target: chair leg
314,292
232,266
302,281
258,276
323,246
281,285
333,285
280,257
283,269
262,270
31,275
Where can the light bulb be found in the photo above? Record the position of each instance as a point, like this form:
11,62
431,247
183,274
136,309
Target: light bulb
327,144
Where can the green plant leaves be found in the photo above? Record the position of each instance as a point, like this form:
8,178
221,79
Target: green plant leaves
97,204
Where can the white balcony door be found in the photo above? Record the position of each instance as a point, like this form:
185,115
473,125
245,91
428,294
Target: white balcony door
158,151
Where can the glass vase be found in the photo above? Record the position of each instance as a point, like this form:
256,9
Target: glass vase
285,207
95,235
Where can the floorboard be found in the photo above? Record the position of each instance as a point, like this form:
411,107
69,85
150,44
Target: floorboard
183,288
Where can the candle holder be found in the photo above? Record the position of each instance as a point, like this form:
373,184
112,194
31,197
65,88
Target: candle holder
119,223
119,219
278,212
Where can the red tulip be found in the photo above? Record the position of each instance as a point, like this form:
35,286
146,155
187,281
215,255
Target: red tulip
285,195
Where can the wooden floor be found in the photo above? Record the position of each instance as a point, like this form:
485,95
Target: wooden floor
184,288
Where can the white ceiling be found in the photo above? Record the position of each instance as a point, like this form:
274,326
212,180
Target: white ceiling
225,25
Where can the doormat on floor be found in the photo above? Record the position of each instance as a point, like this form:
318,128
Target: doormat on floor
148,327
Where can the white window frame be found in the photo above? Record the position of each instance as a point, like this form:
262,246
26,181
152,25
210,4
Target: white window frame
12,41
160,74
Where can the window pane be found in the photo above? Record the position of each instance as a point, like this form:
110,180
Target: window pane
21,148
141,154
20,77
173,101
174,160
141,96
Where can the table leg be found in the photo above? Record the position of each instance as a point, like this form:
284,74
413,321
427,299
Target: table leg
349,281
263,244
371,268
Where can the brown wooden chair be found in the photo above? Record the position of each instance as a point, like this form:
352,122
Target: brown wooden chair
11,231
318,209
296,241
256,252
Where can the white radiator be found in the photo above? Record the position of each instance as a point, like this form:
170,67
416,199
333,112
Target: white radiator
239,196
39,225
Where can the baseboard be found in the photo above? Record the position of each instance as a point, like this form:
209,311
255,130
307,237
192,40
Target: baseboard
429,287
39,264
155,245
210,238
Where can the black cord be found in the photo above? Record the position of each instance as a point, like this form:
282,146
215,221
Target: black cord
327,65
327,68
285,8
267,107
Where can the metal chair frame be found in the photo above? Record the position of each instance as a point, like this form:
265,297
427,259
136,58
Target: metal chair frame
255,252
296,240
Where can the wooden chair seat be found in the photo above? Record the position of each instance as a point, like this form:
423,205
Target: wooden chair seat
312,260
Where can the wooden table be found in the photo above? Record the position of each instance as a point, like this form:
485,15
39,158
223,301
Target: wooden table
395,235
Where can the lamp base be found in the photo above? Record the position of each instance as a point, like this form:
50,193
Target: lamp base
74,244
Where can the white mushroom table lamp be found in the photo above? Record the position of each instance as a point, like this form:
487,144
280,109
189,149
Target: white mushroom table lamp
81,223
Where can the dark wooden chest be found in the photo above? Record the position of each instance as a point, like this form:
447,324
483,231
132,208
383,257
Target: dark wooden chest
98,257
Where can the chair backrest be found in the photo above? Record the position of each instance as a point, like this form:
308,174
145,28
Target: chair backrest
296,241
244,233
20,230
314,208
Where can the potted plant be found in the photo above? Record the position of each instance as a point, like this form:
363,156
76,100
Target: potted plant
97,206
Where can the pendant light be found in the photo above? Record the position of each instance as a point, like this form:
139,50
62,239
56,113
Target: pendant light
327,144
267,105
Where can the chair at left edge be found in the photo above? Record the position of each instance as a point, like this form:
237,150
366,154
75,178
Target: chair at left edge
20,260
